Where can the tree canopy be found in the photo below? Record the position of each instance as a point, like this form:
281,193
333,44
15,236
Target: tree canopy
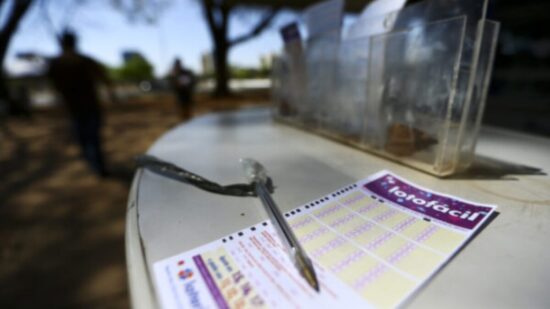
134,69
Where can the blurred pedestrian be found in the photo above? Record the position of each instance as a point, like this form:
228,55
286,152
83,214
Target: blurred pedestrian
76,77
21,102
183,83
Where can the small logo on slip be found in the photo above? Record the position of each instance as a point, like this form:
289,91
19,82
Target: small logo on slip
185,274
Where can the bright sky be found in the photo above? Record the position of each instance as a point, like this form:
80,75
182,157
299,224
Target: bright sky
105,33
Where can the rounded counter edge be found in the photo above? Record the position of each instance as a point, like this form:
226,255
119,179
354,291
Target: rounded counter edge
140,286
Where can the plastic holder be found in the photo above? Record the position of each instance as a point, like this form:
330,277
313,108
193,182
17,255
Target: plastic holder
409,85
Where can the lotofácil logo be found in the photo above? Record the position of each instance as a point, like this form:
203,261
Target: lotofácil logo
443,208
429,204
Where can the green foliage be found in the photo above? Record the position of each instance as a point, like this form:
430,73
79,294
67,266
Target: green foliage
137,68
246,73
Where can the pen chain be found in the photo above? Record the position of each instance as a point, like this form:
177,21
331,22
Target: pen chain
177,173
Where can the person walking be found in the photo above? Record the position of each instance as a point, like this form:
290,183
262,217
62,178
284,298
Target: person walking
76,78
183,83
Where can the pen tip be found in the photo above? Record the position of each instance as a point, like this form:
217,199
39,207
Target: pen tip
311,278
316,287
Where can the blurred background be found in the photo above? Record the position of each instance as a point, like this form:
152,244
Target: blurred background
61,216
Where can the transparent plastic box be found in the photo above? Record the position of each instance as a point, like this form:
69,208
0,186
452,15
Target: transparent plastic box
409,85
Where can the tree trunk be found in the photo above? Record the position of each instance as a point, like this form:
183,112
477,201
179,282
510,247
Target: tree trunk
18,10
217,14
222,71
221,51
4,93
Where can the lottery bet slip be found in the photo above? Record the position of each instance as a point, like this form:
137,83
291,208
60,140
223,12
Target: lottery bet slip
373,243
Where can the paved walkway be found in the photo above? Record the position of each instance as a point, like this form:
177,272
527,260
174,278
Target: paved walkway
61,227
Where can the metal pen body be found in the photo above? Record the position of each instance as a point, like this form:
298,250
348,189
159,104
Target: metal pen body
257,175
287,236
293,247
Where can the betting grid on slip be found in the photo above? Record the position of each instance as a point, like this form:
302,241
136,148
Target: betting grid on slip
373,244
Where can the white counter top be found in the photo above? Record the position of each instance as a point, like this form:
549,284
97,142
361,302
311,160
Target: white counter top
506,265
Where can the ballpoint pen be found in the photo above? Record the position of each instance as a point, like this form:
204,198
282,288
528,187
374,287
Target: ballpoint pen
257,175
260,185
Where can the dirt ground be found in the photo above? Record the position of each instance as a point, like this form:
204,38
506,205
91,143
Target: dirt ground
61,226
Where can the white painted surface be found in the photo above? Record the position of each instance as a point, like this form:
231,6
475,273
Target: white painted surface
506,265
